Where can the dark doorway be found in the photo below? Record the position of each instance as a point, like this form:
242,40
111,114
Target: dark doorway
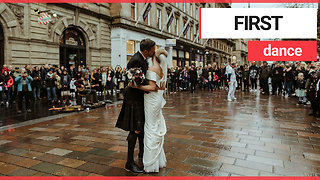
1,46
72,48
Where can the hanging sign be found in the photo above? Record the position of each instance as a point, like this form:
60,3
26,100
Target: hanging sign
44,18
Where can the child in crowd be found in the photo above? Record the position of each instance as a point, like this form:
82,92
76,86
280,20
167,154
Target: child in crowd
301,89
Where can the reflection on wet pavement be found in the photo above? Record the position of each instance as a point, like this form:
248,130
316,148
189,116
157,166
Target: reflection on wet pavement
40,109
254,136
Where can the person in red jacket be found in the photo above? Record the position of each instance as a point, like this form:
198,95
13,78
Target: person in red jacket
4,68
7,86
215,81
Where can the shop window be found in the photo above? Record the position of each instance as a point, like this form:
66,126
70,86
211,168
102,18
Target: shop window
187,63
174,53
187,55
130,49
174,63
181,54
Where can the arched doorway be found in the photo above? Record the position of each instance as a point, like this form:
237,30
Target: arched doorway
72,48
1,46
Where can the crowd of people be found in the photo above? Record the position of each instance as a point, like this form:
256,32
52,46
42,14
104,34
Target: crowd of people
57,84
299,79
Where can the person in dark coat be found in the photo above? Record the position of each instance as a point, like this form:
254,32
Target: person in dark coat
246,76
65,83
110,83
193,78
312,94
253,70
132,116
289,78
264,76
277,79
36,83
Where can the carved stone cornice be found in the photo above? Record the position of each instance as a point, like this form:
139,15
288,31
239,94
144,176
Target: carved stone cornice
169,9
177,13
185,18
160,4
18,11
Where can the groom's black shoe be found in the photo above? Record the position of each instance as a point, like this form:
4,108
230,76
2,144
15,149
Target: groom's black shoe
133,168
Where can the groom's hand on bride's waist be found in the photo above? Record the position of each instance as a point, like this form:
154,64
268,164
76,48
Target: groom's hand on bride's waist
163,86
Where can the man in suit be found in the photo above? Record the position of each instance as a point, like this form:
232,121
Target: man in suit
131,117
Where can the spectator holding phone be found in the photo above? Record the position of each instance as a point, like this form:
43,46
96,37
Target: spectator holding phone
24,89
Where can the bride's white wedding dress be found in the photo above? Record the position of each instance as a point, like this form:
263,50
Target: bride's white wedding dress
154,127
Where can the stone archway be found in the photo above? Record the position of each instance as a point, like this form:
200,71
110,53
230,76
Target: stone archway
88,30
12,23
12,26
66,22
72,48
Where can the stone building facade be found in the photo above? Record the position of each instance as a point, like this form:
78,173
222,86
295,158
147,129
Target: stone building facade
129,28
80,34
240,52
102,34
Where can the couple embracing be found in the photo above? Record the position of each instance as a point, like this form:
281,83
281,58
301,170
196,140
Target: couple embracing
141,112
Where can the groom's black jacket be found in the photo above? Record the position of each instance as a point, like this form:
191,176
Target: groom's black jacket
137,61
131,117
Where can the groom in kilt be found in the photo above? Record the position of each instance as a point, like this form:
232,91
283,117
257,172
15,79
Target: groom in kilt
132,117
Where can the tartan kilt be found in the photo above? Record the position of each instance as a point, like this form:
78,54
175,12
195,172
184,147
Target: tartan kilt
131,117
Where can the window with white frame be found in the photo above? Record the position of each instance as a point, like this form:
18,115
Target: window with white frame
177,27
159,14
191,33
197,13
147,20
133,11
169,28
191,9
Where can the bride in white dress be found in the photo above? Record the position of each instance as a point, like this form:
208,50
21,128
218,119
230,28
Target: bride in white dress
155,127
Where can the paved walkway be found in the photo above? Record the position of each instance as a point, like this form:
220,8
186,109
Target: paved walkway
207,136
